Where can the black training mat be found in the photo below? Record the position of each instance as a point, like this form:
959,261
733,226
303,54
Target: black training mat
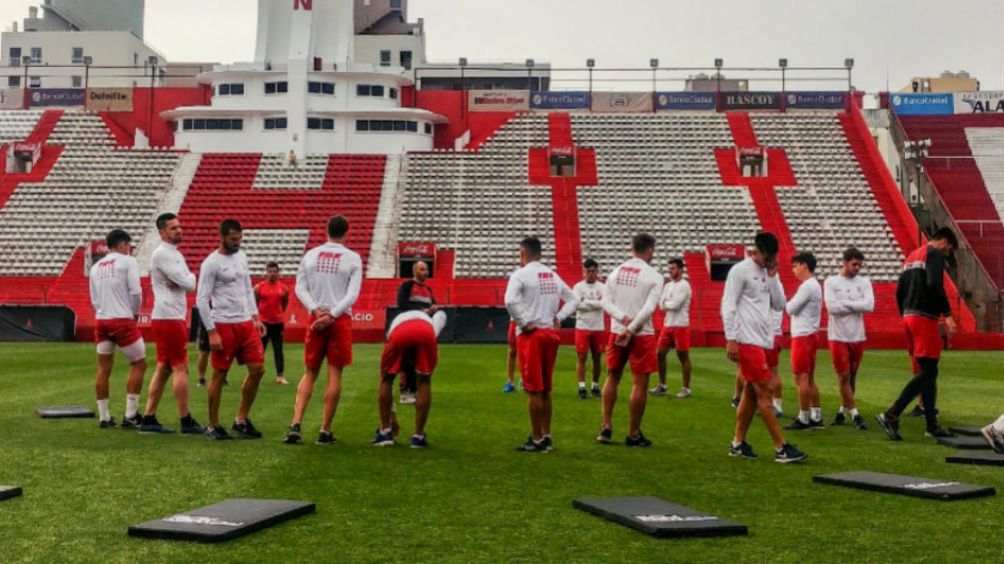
981,457
223,521
965,443
64,412
659,518
7,492
930,488
966,431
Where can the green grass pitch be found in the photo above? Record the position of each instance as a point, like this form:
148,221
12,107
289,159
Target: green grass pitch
471,497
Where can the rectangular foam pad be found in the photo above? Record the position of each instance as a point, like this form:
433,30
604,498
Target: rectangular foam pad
980,457
223,521
7,492
965,443
659,518
65,412
966,431
929,488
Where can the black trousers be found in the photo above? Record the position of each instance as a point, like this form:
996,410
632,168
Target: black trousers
273,333
925,384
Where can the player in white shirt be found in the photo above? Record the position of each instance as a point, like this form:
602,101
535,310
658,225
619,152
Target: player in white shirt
171,281
633,291
773,364
233,326
752,293
675,302
117,296
994,435
848,296
805,309
411,346
532,297
327,284
590,328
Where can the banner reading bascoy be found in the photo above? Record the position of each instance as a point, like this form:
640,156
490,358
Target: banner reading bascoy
109,99
745,101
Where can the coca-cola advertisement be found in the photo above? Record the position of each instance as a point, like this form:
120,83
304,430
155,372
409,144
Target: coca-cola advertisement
719,253
416,249
95,251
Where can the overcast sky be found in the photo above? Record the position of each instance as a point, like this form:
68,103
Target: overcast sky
894,39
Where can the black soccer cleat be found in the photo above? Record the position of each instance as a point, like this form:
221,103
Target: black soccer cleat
595,391
606,436
891,426
246,429
839,419
735,402
938,432
817,425
638,441
192,427
109,424
201,383
530,446
583,394
325,438
789,453
744,450
132,423
419,441
153,427
218,433
797,425
547,443
859,423
293,434
916,412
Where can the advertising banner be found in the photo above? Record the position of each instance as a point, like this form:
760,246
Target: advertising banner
545,101
621,102
498,100
979,102
745,101
425,250
668,101
36,323
41,97
923,104
815,100
109,99
11,98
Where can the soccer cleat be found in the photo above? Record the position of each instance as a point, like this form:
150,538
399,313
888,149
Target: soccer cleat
246,429
520,384
938,432
109,424
134,422
658,390
839,419
192,427
218,433
282,381
530,446
916,412
684,393
817,425
201,383
419,441
595,391
744,450
382,439
605,436
735,403
859,423
325,438
407,398
508,388
789,453
638,441
891,426
993,438
154,428
583,394
778,412
797,425
293,434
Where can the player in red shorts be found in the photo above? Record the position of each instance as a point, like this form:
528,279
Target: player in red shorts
921,298
633,291
171,281
411,346
234,328
532,297
848,296
327,284
117,296
590,331
675,302
752,292
805,309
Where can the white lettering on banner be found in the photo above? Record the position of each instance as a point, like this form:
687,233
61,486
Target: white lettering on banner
979,102
675,518
498,100
201,520
921,100
416,250
363,317
733,252
750,99
930,485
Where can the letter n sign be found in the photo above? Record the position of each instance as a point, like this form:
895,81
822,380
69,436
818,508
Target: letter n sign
305,4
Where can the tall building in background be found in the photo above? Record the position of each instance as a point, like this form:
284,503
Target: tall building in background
89,15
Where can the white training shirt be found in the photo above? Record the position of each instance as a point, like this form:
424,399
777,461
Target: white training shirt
633,289
805,308
168,265
749,299
533,294
115,289
675,301
225,282
330,277
438,320
589,315
847,302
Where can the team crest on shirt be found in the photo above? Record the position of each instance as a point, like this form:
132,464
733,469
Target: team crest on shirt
628,276
548,283
328,263
106,269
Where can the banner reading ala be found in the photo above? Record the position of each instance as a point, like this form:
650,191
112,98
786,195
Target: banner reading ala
979,102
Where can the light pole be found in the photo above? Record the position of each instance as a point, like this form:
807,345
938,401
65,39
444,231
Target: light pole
718,76
915,152
654,63
463,86
590,63
783,63
529,74
849,65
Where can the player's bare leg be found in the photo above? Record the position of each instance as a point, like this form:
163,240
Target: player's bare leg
685,366
385,400
214,393
424,402
249,390
332,393
636,406
156,388
610,397
304,391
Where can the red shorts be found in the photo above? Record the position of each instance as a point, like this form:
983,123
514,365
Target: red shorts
846,356
512,335
640,353
241,343
413,344
537,352
774,354
122,332
923,339
753,363
590,341
335,342
172,341
674,338
803,354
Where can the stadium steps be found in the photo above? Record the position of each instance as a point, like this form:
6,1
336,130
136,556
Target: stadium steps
383,248
46,124
170,202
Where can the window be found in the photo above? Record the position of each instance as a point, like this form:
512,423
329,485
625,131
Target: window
384,58
78,55
15,56
14,81
224,90
213,124
413,126
231,89
36,55
376,91
313,123
428,129
275,123
363,90
362,125
314,87
393,93
187,124
77,81
326,124
387,125
327,88
406,60
395,4
270,88
276,87
400,126
34,82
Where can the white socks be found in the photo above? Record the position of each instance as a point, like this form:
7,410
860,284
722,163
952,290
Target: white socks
842,409
817,413
803,416
854,412
132,405
582,385
999,424
103,413
777,404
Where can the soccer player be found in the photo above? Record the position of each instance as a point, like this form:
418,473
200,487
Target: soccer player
994,435
532,297
633,291
774,360
117,296
590,332
273,299
327,284
848,296
411,345
675,302
752,291
921,298
171,280
805,309
233,326
414,295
